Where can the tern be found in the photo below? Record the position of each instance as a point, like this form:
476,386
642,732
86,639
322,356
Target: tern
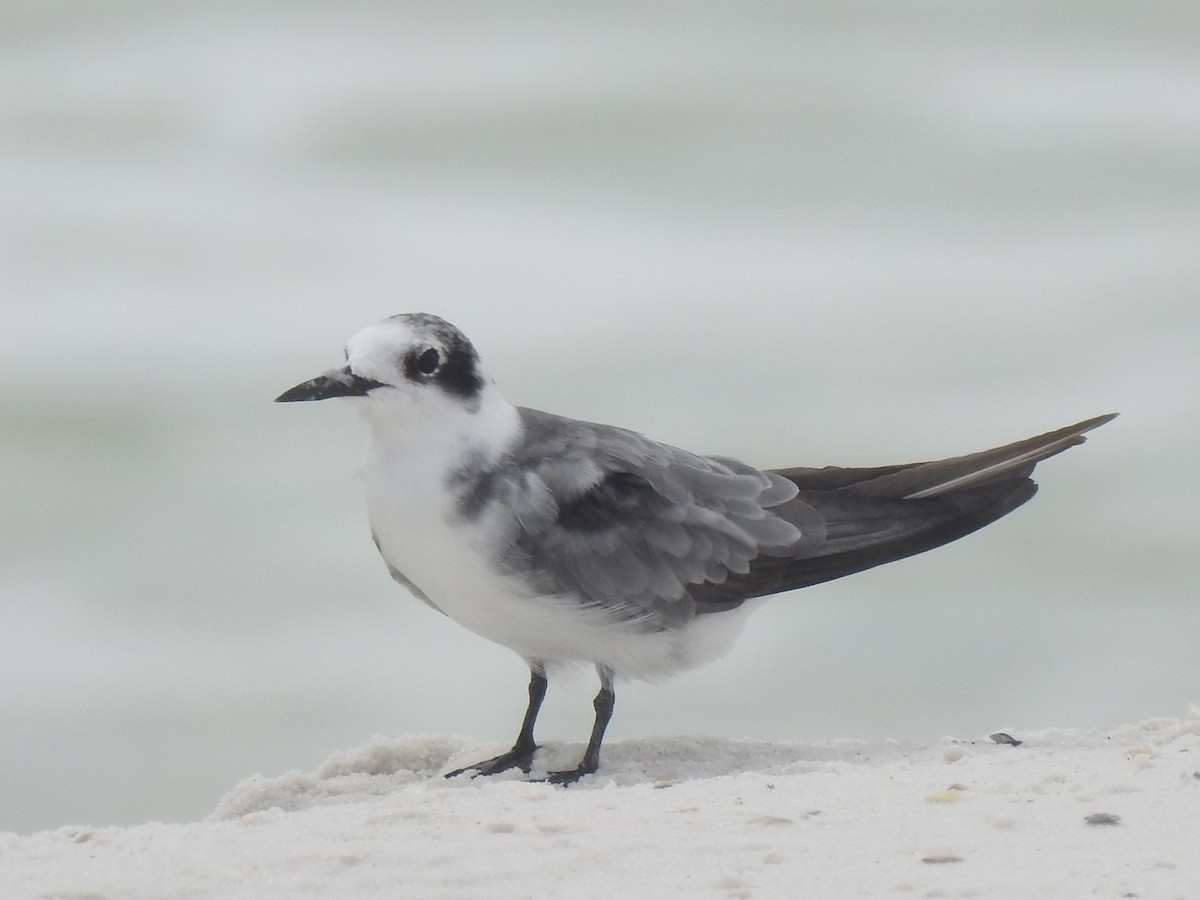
568,541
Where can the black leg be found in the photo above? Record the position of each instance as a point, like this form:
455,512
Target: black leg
521,754
603,704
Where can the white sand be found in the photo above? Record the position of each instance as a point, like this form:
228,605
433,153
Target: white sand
686,816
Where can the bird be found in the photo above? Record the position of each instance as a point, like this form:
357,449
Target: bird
574,542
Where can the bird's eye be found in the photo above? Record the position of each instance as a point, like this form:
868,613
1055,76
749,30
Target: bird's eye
428,362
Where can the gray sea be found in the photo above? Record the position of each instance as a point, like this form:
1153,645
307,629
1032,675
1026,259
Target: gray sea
794,232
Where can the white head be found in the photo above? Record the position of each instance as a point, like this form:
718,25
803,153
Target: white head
409,373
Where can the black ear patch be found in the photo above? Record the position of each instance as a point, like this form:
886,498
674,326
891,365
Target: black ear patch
459,374
454,367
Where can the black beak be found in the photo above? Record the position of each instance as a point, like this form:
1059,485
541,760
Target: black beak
334,383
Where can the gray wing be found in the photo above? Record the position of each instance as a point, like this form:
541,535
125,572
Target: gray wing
657,535
630,525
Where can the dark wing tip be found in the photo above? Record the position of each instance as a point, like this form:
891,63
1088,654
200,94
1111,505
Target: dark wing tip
1090,424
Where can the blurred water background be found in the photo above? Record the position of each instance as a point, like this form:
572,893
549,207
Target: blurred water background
795,232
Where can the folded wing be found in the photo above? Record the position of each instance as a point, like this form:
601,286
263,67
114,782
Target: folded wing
656,535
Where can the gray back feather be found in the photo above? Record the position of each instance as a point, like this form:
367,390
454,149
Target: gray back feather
627,524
